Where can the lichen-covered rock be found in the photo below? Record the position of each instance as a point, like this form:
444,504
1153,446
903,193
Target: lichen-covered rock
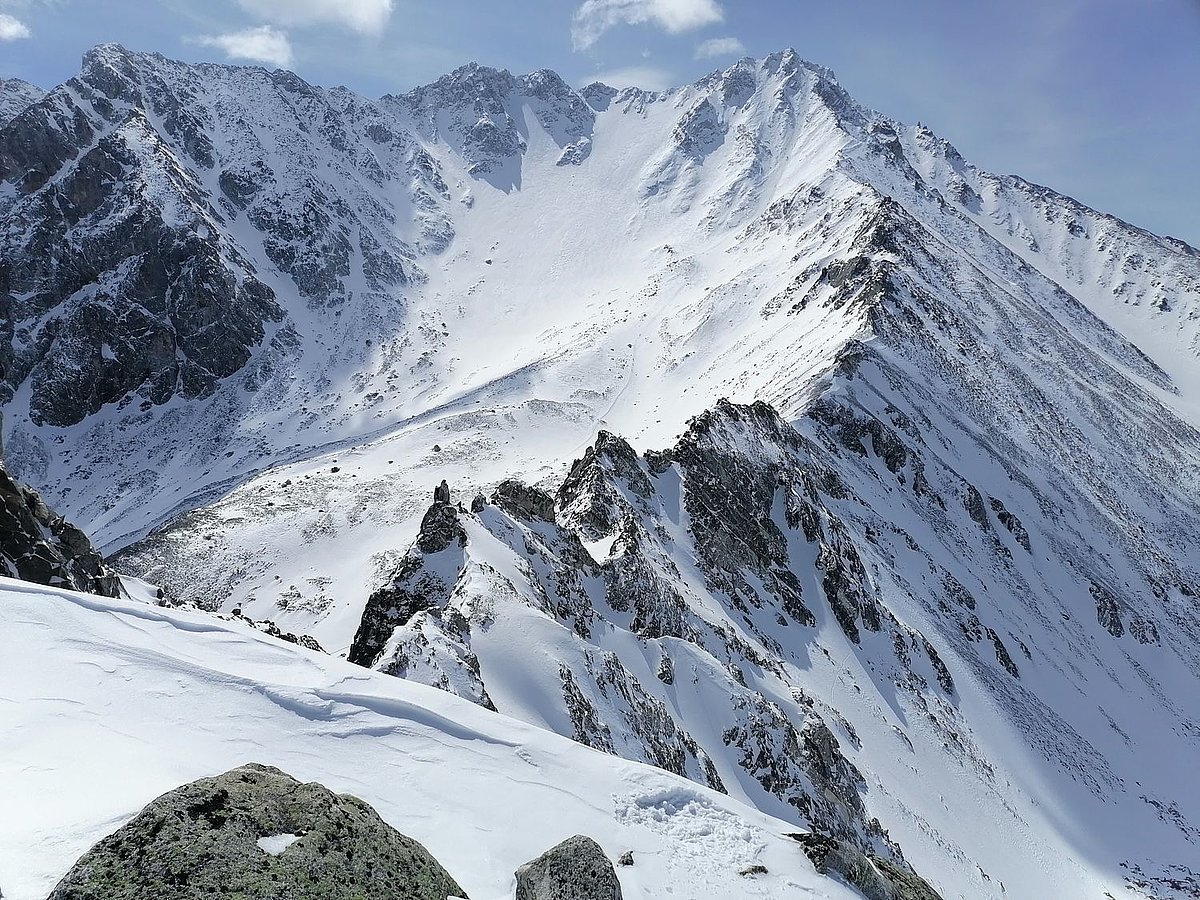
576,869
38,545
256,833
876,878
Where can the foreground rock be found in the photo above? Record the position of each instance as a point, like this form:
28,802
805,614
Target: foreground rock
576,869
256,832
875,878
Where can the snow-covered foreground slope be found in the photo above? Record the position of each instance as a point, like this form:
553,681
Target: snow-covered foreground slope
105,704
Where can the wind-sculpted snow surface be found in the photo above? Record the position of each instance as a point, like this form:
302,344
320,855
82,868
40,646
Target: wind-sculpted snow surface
108,704
939,599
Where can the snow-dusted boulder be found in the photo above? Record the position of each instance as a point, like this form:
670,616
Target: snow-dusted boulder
256,832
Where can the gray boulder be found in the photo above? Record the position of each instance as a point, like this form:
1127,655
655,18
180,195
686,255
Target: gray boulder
256,833
576,869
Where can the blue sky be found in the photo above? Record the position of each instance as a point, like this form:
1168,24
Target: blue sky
1099,99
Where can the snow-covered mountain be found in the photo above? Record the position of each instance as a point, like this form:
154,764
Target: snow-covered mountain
913,559
15,96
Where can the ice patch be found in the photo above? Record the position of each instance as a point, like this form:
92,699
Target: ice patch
275,844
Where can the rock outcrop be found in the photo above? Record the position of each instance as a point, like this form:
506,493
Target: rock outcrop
38,545
576,869
875,878
601,561
256,833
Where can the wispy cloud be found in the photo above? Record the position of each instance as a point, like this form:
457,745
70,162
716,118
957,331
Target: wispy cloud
722,46
595,17
263,44
12,28
363,16
648,77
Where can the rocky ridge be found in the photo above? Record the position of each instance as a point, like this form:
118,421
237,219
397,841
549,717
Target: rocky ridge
16,96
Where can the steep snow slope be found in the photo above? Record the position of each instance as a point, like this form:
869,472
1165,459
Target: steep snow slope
106,704
1145,286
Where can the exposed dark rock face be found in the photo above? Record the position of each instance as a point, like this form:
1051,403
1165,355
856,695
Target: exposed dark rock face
429,639
440,528
485,123
643,717
118,287
576,869
589,494
524,502
789,762
38,545
255,832
729,499
414,585
755,501
875,877
123,258
1108,610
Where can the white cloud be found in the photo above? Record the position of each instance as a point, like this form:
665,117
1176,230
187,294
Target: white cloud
595,17
725,46
12,29
647,77
364,16
262,44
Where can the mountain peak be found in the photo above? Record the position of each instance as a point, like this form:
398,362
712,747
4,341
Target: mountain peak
15,97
